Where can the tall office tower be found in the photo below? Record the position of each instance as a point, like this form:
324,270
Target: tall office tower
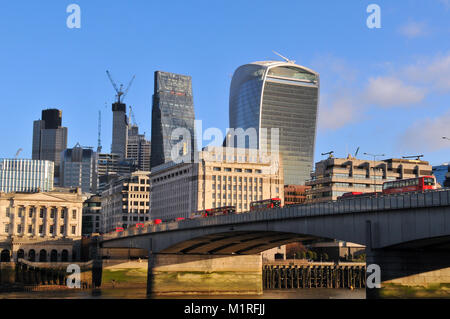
283,95
110,167
138,149
49,138
79,169
25,175
173,107
120,130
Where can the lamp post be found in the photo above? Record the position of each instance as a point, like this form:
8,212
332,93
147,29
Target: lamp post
374,171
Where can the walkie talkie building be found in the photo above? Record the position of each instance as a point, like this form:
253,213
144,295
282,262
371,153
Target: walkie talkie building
283,95
173,107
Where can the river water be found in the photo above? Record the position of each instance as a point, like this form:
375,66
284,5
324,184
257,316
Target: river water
313,293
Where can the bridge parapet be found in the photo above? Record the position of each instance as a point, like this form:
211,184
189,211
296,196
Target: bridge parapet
411,200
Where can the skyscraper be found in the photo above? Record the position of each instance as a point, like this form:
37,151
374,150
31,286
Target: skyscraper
283,95
120,130
79,169
138,149
173,107
49,138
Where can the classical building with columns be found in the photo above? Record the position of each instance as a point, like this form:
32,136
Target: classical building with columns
41,226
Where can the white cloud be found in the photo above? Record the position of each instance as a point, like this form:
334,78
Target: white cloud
435,72
414,29
426,135
446,3
343,110
391,91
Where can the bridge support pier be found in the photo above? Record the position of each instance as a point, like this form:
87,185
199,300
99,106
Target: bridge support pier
403,271
179,274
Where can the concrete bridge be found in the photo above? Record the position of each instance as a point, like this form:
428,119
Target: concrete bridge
407,235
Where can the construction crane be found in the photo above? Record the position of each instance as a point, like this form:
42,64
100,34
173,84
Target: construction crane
132,116
99,141
18,152
417,157
119,90
330,153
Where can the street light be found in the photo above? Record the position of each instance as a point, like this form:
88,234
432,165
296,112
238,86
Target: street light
445,138
374,170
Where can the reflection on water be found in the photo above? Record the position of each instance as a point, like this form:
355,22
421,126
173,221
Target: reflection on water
140,293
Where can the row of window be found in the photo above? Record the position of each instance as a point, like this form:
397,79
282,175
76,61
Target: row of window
225,178
224,196
237,170
41,229
235,187
137,188
171,175
43,212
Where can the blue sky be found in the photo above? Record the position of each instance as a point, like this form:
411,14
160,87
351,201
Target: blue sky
385,90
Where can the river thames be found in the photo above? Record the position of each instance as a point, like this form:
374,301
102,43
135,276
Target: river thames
117,293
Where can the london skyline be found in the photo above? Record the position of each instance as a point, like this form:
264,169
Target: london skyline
390,82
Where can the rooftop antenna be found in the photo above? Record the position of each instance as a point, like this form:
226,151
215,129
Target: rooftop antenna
283,57
99,141
356,153
18,152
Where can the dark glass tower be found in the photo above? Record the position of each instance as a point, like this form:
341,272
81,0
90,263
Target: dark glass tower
283,95
173,107
49,139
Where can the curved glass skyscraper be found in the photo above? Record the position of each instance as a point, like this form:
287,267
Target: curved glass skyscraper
283,95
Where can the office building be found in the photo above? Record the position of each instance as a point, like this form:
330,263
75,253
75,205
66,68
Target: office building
173,108
281,96
92,213
49,139
222,177
334,177
42,226
110,167
442,174
295,194
25,175
125,202
79,169
120,130
138,149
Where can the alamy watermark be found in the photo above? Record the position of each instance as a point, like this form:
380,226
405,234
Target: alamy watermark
373,279
242,145
74,279
374,19
74,19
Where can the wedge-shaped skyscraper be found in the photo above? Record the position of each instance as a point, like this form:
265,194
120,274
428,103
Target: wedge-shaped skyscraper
283,96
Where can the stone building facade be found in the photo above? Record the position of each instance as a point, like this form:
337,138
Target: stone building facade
42,226
126,202
334,177
221,177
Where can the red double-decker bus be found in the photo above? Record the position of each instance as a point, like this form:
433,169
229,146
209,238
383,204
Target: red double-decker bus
266,203
225,210
357,194
417,184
